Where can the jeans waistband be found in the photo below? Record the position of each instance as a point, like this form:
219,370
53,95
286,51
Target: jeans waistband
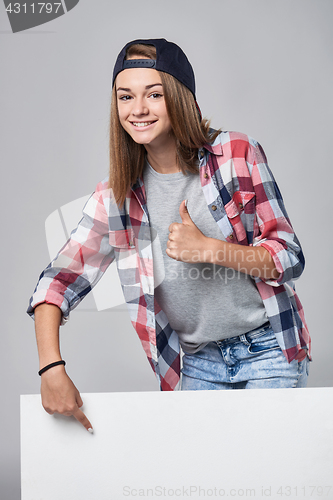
252,334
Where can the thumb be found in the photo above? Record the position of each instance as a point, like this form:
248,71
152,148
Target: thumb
183,212
79,399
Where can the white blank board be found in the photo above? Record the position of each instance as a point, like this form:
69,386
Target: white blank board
275,443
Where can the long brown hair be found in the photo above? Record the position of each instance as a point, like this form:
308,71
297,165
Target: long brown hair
191,132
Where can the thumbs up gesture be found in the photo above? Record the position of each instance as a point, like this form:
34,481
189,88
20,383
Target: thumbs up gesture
186,242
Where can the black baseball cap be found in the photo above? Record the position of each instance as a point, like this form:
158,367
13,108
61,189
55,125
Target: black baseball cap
169,58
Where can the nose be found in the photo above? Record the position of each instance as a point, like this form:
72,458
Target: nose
140,107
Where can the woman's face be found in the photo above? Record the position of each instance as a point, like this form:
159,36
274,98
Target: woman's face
141,107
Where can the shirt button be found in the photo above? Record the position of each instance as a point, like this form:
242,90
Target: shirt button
214,207
241,206
231,237
206,175
202,153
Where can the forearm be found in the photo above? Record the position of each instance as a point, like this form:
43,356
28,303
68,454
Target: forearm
255,261
188,244
47,322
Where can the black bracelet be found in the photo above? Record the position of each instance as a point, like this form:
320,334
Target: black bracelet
62,362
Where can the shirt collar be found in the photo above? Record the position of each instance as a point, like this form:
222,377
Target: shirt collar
216,149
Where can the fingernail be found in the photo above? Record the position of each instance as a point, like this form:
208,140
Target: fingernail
186,202
91,430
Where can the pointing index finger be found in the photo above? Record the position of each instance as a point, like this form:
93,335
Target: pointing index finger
80,417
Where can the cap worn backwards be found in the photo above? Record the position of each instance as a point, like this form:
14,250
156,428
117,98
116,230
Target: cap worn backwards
169,58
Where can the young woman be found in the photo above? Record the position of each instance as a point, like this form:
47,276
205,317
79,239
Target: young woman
205,251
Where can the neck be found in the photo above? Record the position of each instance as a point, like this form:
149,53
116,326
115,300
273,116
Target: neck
163,159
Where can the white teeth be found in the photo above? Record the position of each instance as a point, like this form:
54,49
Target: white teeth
141,124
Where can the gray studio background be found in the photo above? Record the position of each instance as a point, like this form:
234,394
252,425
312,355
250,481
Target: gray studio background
263,67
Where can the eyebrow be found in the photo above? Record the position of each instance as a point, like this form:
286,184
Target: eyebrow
146,88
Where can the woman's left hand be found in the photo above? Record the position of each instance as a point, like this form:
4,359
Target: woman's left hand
186,242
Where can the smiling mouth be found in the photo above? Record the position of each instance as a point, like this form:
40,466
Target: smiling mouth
142,124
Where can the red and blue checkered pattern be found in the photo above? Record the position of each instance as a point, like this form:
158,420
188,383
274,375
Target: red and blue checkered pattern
248,208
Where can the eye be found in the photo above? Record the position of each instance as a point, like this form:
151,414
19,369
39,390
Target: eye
156,95
124,98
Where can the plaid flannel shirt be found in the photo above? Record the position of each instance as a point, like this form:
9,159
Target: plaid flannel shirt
245,201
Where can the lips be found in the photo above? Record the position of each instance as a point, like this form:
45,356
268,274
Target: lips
142,124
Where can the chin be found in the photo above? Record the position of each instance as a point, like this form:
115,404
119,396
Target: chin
142,140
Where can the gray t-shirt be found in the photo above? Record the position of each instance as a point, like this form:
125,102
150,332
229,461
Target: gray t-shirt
203,302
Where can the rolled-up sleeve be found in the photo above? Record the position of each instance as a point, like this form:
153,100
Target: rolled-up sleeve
81,262
276,233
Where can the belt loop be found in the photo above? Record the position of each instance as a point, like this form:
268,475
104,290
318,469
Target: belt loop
244,339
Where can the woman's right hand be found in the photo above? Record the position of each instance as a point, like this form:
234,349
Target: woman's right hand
59,395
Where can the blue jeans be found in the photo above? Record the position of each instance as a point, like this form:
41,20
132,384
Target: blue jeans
250,361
